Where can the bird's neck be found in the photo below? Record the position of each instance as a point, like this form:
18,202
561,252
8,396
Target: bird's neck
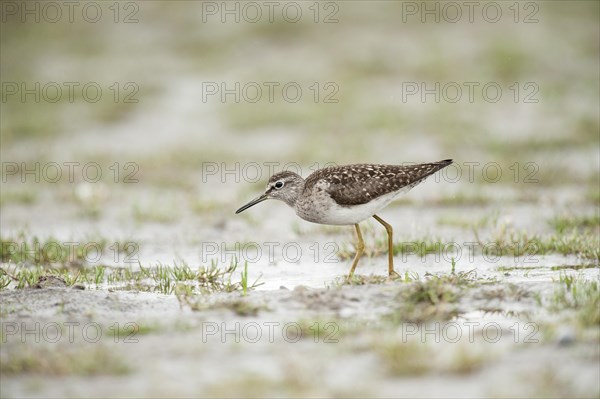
292,198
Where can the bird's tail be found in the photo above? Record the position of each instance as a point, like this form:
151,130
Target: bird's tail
420,172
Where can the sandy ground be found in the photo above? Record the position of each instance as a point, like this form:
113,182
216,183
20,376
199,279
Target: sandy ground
345,341
273,348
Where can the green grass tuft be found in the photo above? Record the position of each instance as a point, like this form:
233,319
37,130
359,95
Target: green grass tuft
581,296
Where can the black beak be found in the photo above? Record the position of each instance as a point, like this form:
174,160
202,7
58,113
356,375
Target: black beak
252,203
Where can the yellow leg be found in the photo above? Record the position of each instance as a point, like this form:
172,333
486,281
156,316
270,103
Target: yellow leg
360,248
389,230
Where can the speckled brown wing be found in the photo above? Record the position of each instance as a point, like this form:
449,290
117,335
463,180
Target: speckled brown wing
360,183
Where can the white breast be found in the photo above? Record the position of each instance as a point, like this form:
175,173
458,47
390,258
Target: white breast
324,210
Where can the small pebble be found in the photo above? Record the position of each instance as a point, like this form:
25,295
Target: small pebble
565,336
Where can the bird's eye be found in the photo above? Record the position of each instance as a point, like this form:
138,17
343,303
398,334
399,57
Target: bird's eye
279,184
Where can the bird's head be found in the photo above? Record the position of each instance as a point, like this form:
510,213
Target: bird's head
285,186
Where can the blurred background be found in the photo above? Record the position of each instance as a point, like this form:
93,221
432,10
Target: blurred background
185,108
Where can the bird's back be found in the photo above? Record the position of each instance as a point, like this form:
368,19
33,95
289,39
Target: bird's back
358,184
